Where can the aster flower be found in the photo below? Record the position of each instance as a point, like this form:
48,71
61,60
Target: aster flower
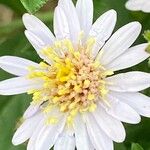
77,99
136,5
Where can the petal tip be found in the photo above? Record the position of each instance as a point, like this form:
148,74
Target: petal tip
15,141
25,16
137,25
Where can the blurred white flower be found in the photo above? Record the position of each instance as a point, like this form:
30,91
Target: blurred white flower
76,100
136,5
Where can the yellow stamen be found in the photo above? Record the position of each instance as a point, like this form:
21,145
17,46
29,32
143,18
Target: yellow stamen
72,82
91,96
52,120
92,107
86,83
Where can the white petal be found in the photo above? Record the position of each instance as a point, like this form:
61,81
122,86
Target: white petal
102,29
121,111
120,41
38,28
48,135
61,27
71,15
134,5
32,141
81,136
129,82
111,126
138,101
65,142
31,110
18,85
25,131
37,43
15,65
146,6
85,13
98,138
131,57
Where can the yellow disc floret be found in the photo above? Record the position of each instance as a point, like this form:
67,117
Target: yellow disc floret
73,82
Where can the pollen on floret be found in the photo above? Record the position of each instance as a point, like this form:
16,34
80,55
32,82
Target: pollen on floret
73,82
91,97
52,120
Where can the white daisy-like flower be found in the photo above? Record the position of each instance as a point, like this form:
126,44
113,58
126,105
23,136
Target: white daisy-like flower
77,101
137,5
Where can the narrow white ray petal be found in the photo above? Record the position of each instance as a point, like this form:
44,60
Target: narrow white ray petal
25,131
38,28
120,41
102,29
131,57
71,15
91,146
65,142
129,82
37,44
85,13
61,27
111,126
81,136
146,6
104,25
18,85
49,134
31,110
98,138
137,101
134,5
16,65
32,140
120,110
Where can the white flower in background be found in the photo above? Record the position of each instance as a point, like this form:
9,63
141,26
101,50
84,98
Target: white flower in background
76,100
136,5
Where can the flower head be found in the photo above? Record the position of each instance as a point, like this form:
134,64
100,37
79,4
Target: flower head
136,5
77,99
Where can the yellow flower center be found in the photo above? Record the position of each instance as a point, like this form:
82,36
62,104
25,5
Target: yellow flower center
73,82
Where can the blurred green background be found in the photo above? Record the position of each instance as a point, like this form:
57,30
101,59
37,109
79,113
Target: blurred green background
13,42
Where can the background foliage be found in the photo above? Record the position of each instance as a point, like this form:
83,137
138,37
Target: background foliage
13,42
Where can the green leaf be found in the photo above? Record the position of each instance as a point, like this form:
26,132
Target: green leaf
10,115
149,62
147,35
136,146
33,5
148,48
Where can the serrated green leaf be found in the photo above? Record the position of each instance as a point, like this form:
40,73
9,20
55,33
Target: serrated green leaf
33,5
136,146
